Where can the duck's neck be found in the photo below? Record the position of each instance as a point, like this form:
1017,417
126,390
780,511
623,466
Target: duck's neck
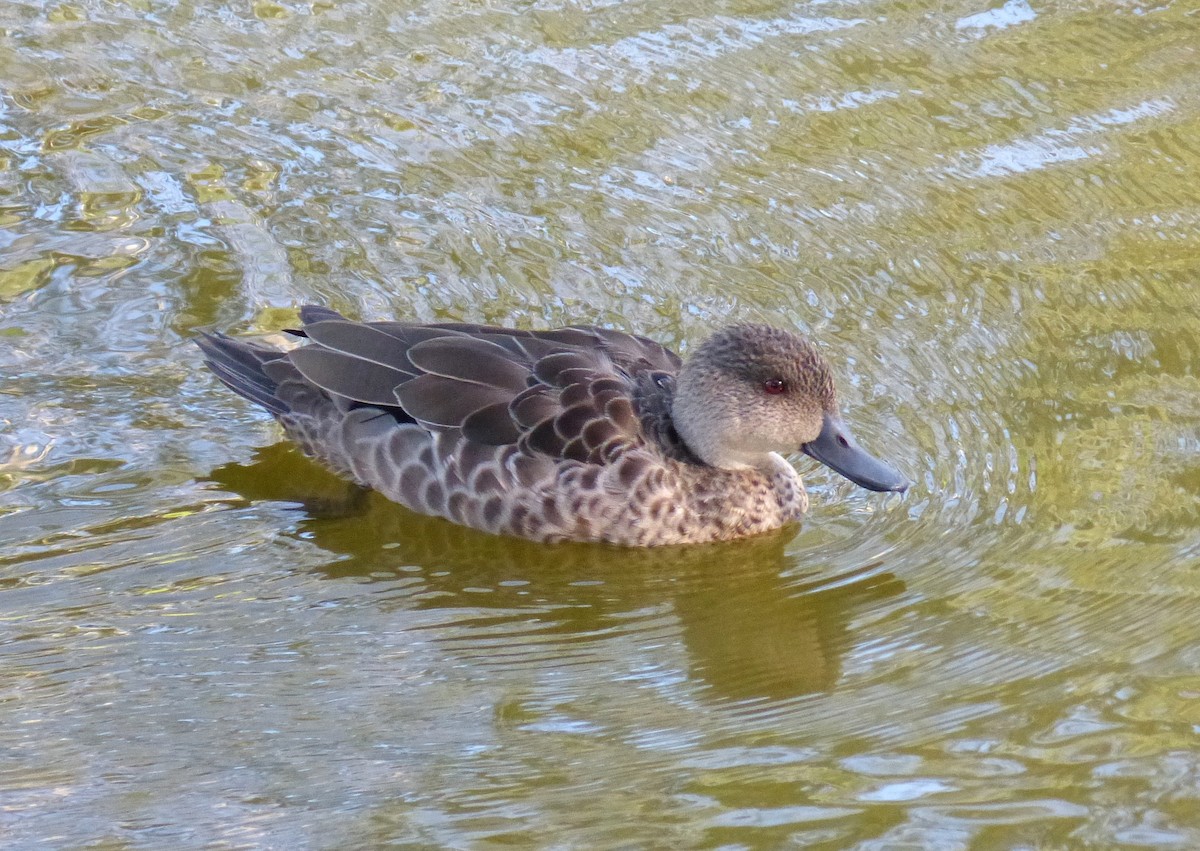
701,424
699,429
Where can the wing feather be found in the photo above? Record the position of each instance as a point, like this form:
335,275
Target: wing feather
571,393
472,360
345,375
491,425
362,341
443,402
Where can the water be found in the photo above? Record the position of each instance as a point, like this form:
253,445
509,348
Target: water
987,215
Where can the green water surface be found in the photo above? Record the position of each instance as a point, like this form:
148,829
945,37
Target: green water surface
987,215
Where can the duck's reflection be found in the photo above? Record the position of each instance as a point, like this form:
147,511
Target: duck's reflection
754,624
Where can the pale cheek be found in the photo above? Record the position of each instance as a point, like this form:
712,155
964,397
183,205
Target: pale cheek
804,427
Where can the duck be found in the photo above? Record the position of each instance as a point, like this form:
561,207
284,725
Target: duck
582,433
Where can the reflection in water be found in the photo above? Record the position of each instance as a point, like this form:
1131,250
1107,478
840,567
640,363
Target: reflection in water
754,624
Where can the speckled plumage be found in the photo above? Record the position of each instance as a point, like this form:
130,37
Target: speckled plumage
573,434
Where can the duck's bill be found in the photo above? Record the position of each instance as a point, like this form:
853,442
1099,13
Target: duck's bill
836,448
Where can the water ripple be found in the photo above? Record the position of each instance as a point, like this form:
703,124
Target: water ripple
986,218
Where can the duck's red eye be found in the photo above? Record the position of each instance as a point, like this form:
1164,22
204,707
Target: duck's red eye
775,386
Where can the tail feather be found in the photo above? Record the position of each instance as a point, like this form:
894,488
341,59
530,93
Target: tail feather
240,367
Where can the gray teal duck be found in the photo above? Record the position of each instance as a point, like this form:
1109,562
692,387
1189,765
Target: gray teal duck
581,433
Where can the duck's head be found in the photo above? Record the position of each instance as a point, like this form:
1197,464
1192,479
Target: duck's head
751,390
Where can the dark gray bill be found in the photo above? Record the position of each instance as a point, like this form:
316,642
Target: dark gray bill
836,448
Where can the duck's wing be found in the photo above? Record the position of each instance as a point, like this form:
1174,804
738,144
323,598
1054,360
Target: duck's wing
564,394
629,352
